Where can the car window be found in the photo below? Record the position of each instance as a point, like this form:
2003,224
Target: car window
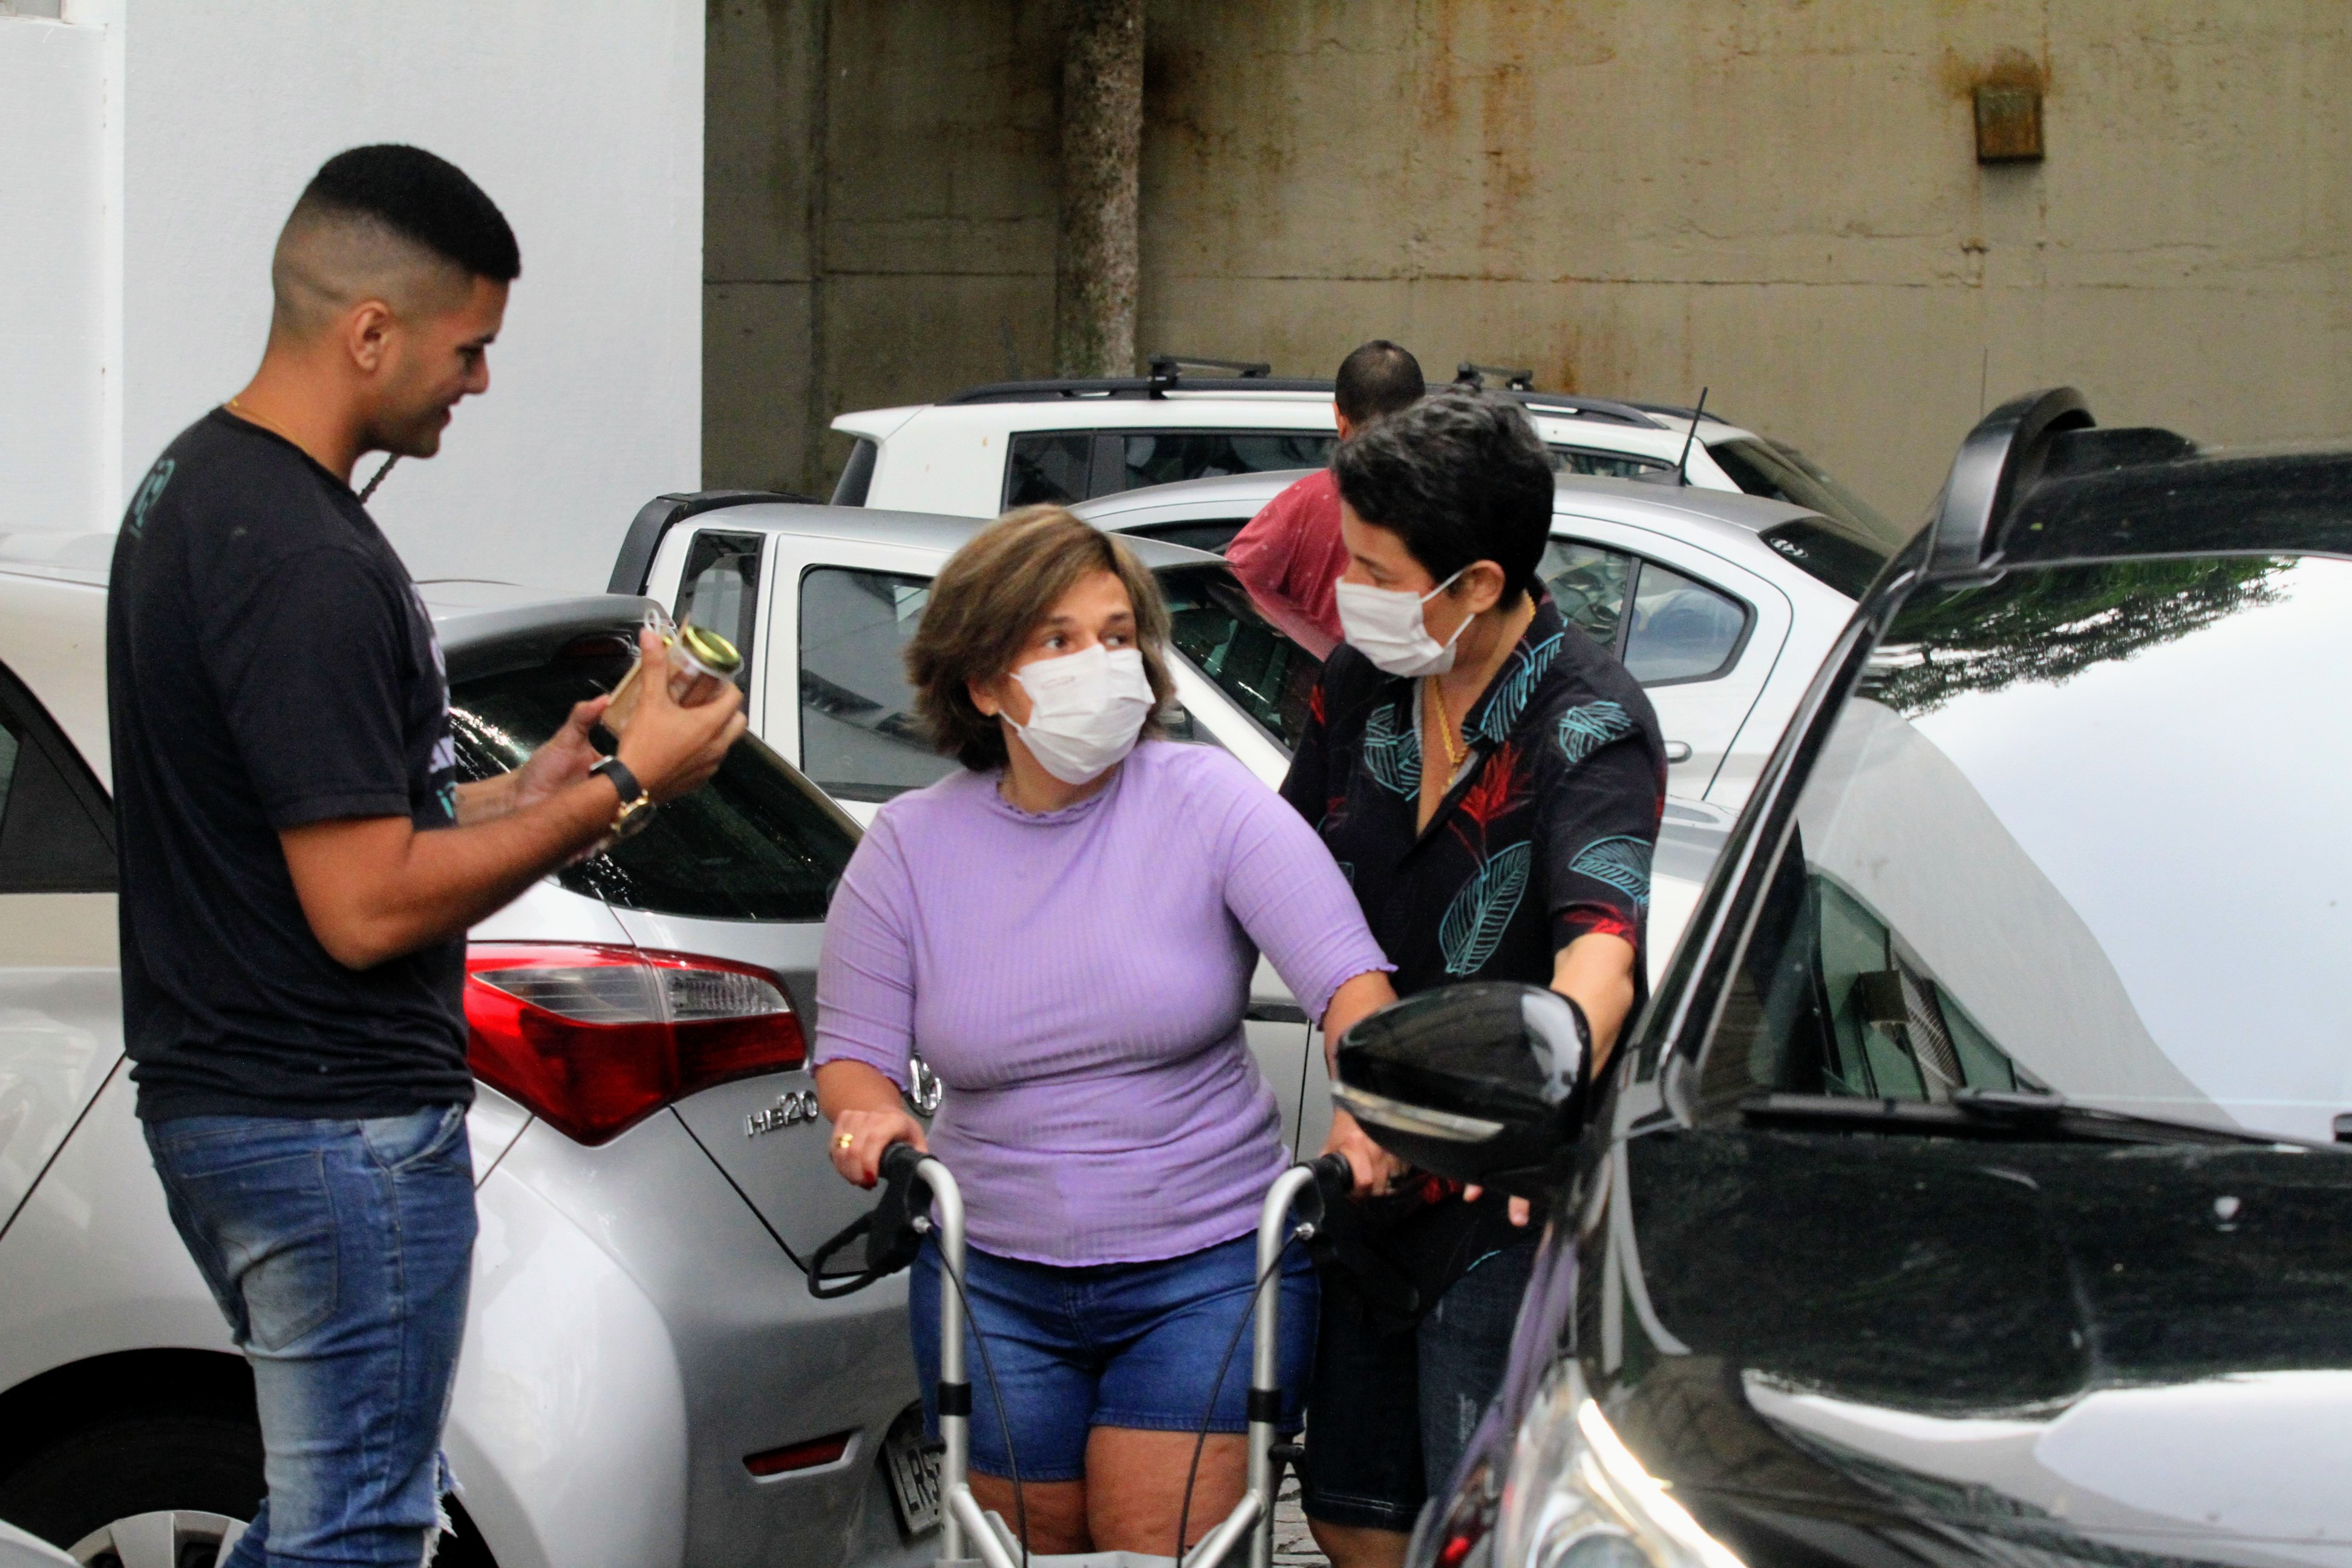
1064,467
1214,625
1612,466
1828,554
1682,629
1780,472
1212,537
2078,828
856,474
860,738
1165,456
1048,470
1589,584
56,825
755,844
720,590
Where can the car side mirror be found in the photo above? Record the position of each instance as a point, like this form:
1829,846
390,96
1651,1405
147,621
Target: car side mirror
1480,1082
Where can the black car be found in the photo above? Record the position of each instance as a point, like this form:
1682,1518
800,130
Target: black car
1973,1190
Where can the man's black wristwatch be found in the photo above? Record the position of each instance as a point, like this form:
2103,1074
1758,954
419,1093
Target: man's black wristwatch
634,799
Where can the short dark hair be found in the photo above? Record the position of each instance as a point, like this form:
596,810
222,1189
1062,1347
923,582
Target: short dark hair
424,199
1460,477
1376,381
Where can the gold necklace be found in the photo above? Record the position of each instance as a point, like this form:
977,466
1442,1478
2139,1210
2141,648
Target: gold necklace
274,428
1446,729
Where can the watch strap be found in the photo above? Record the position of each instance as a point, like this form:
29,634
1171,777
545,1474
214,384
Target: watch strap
624,782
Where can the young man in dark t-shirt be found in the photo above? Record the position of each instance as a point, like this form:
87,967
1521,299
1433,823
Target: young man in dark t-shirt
299,865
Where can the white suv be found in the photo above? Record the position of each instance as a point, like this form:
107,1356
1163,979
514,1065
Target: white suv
990,449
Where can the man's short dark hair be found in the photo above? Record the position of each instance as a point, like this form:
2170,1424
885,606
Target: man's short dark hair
1460,477
1376,381
424,199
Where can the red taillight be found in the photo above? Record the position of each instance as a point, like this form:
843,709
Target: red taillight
595,1039
805,1456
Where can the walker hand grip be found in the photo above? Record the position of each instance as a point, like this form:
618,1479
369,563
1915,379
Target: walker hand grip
888,1228
899,1162
1334,1177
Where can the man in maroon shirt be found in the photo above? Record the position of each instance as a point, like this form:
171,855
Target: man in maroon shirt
1290,554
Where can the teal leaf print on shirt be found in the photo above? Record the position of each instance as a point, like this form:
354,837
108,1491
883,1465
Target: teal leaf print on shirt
1622,862
1480,913
1392,751
1584,730
1518,687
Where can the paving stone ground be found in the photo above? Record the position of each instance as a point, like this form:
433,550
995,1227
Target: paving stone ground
1293,1546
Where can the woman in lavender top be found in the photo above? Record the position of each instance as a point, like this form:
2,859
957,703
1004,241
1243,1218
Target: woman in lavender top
1066,928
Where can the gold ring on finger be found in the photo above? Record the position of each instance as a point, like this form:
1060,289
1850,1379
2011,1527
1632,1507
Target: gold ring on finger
844,1142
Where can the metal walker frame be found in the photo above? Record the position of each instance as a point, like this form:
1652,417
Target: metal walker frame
971,1537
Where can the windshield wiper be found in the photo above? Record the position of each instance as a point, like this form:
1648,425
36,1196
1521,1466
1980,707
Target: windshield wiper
1997,1114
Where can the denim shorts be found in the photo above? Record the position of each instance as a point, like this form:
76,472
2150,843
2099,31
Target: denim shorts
1393,1410
1114,1344
340,1252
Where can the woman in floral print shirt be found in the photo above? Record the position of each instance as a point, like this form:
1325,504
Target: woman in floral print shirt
1492,788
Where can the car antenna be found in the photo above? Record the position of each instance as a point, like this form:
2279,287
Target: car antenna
1682,463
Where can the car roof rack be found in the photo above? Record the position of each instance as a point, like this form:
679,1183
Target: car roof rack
1127,386
1474,376
654,521
1170,365
1136,386
1999,461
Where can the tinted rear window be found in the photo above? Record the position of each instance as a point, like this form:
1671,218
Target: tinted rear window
1063,467
758,843
1850,530
1823,552
1165,456
1612,466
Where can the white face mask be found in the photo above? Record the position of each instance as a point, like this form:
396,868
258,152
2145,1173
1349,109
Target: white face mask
1085,709
1384,625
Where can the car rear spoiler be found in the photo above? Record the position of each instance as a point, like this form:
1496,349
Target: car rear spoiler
658,516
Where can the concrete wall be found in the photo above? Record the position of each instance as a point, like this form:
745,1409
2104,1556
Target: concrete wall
1776,198
190,142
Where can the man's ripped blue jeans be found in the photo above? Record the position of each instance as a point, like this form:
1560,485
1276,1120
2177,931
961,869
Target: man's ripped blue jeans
340,1252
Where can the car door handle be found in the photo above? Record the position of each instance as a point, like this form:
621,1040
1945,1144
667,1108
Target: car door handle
1678,750
1276,1013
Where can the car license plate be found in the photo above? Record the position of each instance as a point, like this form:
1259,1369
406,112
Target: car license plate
913,1468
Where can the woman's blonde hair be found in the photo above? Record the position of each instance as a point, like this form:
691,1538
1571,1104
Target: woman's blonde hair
992,595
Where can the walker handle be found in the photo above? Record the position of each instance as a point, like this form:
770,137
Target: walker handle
899,1162
888,1228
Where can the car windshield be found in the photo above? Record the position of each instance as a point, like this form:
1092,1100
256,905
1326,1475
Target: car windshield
2081,830
758,843
1845,545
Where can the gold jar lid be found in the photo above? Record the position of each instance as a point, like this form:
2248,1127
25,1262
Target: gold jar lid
709,650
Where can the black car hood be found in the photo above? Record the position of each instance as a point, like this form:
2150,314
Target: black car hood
1835,1346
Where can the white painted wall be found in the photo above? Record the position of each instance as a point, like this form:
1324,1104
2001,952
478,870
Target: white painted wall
51,353
583,120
